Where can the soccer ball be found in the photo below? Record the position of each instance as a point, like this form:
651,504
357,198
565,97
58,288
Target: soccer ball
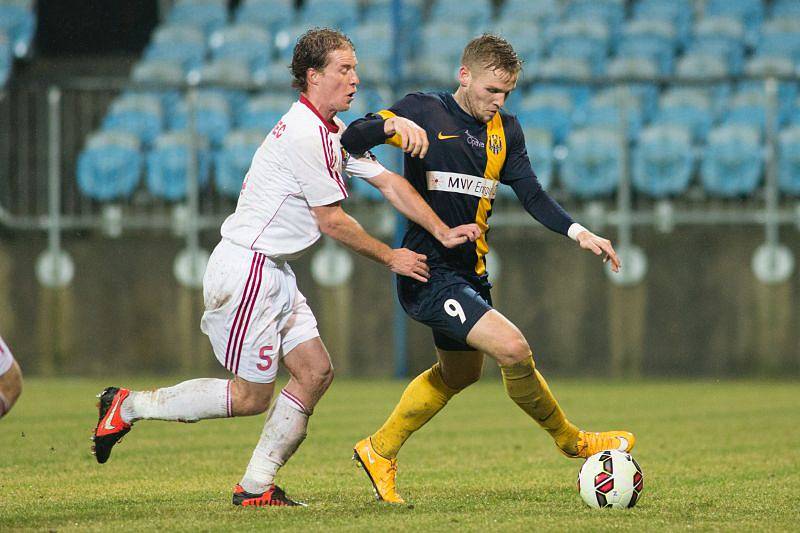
610,479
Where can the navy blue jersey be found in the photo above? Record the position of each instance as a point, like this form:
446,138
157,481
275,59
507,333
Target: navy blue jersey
459,175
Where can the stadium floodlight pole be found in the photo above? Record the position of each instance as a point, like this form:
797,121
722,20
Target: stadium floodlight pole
54,267
400,325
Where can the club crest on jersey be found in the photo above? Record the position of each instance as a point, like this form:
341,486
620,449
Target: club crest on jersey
495,143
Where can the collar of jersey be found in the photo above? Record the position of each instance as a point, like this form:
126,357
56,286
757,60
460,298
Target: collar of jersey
333,128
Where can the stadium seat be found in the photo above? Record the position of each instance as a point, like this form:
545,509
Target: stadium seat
244,43
700,65
168,165
654,39
593,165
233,160
780,37
138,114
269,14
188,55
206,15
562,69
179,34
18,23
785,8
663,161
689,108
526,37
466,13
226,77
582,39
264,111
212,115
548,109
677,12
611,12
639,98
285,39
730,50
541,12
789,161
340,14
749,12
277,74
154,76
110,166
732,161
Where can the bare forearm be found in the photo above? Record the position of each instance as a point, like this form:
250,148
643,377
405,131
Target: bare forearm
349,232
402,195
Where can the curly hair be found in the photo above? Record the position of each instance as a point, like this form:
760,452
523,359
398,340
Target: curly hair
311,51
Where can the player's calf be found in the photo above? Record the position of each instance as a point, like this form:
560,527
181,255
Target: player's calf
10,388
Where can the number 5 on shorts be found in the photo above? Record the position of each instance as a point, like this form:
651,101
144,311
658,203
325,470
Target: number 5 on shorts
454,309
264,355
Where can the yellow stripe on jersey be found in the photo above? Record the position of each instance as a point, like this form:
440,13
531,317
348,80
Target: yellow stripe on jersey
495,158
395,139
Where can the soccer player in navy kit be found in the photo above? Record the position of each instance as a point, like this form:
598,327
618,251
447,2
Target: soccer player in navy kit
474,145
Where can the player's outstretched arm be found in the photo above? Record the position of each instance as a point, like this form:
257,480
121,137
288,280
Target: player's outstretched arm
599,246
337,224
402,195
366,133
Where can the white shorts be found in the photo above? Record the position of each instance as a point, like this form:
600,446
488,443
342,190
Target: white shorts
6,358
254,313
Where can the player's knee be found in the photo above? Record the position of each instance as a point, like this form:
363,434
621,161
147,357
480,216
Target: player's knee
320,378
514,351
462,381
249,403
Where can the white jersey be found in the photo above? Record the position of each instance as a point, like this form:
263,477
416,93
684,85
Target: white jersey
299,165
6,359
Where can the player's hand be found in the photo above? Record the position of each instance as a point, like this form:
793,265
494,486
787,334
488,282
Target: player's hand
414,140
599,246
407,263
459,235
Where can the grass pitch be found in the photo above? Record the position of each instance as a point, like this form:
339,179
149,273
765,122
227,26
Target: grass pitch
716,456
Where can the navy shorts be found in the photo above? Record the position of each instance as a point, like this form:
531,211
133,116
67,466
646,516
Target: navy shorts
449,303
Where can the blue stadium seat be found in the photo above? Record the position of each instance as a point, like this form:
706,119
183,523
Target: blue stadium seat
270,14
640,98
654,39
381,11
689,108
525,36
663,161
785,8
264,111
179,34
188,55
780,37
110,166
583,39
700,65
168,165
749,12
789,161
539,144
540,11
138,114
732,161
676,12
212,116
765,66
610,12
593,164
155,75
461,12
285,39
233,160
206,15
374,44
18,23
341,14
277,74
224,77
548,109
561,69
244,43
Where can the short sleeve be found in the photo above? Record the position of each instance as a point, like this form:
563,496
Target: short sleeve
365,166
315,165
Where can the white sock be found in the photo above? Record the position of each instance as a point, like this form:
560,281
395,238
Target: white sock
283,432
190,401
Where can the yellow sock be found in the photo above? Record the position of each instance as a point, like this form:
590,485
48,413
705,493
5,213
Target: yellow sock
424,397
526,386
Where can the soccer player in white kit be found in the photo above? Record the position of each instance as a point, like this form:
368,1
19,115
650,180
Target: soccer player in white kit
10,379
255,316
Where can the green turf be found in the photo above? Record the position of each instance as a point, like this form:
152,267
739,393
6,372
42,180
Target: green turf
716,456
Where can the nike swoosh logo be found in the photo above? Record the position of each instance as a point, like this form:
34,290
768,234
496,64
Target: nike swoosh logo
623,444
443,137
110,416
369,456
